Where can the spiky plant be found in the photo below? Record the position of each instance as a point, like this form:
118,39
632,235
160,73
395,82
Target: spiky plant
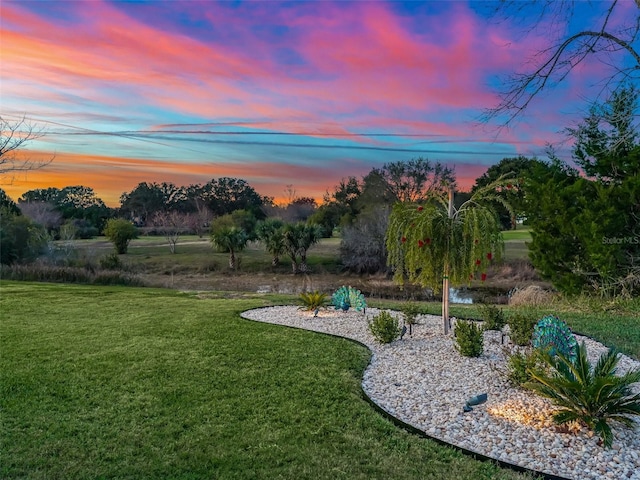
313,300
591,395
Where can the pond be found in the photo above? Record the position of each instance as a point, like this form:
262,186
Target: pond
465,295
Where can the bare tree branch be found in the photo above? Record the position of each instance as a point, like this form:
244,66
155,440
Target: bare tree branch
13,138
559,60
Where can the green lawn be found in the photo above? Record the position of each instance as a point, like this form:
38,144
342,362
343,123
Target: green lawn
515,244
105,382
522,234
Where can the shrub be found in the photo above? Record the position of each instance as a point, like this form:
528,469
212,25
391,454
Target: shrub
120,232
521,326
111,262
362,244
469,338
312,300
410,312
20,238
521,364
591,395
384,327
493,317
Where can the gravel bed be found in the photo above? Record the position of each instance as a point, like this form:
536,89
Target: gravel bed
423,381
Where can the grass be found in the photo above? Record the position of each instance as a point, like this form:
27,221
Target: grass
520,234
515,243
195,254
108,382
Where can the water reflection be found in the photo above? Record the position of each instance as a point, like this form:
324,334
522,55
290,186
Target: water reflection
460,295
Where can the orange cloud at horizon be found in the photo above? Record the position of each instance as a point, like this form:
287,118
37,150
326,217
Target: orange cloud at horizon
110,177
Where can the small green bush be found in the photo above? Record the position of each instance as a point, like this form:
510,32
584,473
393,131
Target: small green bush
493,317
384,327
410,312
312,300
521,325
520,366
120,232
469,338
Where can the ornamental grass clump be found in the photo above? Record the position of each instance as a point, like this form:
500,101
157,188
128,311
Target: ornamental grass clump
384,327
591,395
469,338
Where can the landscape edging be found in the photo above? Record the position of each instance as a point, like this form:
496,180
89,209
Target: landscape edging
415,430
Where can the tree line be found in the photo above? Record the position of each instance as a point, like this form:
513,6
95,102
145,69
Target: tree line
583,212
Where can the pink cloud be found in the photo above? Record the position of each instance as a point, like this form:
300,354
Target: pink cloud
348,67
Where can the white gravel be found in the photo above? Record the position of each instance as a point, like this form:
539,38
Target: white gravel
423,381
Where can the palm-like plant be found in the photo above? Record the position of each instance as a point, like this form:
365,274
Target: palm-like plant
591,395
313,300
230,239
269,232
298,238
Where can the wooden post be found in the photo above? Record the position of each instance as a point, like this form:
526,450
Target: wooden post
445,277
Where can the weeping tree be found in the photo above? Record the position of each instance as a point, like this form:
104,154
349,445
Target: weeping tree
434,244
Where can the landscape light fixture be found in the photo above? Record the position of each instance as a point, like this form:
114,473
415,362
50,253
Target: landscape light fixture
473,401
403,331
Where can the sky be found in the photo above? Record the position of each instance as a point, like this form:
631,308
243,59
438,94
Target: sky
285,95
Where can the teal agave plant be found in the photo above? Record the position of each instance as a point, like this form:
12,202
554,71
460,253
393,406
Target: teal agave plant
591,395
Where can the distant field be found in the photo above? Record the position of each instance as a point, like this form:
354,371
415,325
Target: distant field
521,234
198,266
192,252
515,247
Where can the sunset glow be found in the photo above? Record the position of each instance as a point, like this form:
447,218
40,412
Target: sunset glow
278,94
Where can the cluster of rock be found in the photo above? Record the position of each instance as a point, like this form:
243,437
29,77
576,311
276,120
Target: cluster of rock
423,381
